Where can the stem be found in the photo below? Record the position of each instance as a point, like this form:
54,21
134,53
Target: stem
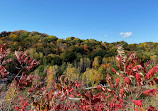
15,88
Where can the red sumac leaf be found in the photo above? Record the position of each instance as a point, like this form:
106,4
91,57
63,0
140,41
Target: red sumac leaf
17,107
151,73
151,108
117,81
139,79
138,102
127,80
115,71
72,96
150,91
156,80
25,104
136,109
99,87
21,102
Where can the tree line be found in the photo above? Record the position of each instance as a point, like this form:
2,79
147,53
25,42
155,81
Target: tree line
79,59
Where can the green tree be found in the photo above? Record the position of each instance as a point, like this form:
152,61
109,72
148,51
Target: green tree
96,62
72,73
49,39
83,64
68,56
51,74
92,77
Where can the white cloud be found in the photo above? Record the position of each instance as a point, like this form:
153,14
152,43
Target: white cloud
105,35
126,34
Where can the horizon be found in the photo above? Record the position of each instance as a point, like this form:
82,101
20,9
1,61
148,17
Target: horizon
107,21
82,39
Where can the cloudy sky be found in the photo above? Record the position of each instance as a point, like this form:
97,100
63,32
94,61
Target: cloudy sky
133,21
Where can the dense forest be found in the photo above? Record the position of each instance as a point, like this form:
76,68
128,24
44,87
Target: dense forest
72,54
43,64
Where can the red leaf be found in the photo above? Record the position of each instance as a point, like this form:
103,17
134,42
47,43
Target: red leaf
136,109
135,69
58,107
151,108
71,89
21,102
150,91
151,73
117,81
156,80
139,79
107,97
17,107
25,104
99,87
122,91
127,80
115,71
22,109
138,103
72,96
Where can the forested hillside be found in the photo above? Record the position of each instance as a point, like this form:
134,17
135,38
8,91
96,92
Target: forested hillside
72,54
39,72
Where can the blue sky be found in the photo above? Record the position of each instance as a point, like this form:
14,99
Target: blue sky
133,21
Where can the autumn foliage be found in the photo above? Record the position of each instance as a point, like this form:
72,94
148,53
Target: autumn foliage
127,90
